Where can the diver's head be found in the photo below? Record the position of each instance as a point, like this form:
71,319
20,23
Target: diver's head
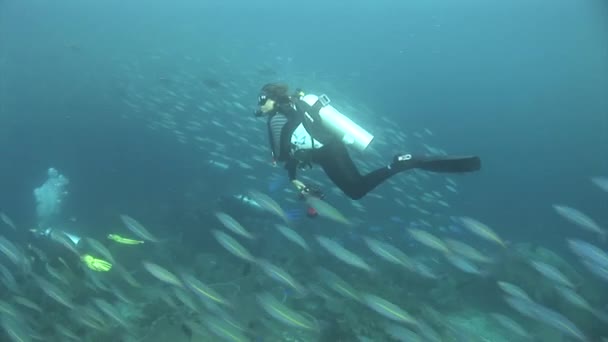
272,95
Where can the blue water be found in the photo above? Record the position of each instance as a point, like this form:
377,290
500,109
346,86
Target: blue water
520,83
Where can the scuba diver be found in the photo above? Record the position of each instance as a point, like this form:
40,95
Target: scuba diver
305,130
53,245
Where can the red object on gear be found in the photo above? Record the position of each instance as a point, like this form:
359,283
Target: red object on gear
312,212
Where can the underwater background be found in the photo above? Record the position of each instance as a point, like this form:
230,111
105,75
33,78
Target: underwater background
147,109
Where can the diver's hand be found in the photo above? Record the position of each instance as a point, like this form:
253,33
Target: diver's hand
299,185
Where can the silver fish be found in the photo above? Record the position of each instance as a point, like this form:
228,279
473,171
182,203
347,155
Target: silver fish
512,326
342,253
540,313
466,251
101,249
54,292
162,274
233,225
388,309
589,252
233,246
280,275
551,273
224,329
268,204
388,252
137,228
7,220
513,290
429,240
15,329
13,252
481,230
580,219
292,236
284,314
574,298
464,265
326,210
334,282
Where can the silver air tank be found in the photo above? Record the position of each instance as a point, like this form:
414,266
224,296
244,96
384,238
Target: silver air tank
350,133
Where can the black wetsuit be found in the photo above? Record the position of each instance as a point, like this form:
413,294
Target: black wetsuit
332,156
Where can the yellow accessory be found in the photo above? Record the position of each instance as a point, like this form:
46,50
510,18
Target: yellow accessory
123,240
95,264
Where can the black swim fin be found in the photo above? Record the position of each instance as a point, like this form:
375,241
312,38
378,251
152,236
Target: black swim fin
443,164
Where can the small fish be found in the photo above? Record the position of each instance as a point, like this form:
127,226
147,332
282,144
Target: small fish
464,265
423,270
580,219
127,276
401,334
268,204
90,317
7,309
111,312
511,325
186,299
598,270
54,292
66,332
27,303
233,246
574,298
284,314
481,230
540,313
15,329
388,252
137,228
101,249
342,253
467,251
292,236
162,274
334,282
428,333
7,220
589,252
388,309
13,252
513,290
66,240
124,241
326,210
429,240
280,275
233,225
551,273
8,279
53,272
202,290
225,329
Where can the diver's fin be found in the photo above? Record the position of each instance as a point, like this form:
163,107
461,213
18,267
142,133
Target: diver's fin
452,164
444,164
